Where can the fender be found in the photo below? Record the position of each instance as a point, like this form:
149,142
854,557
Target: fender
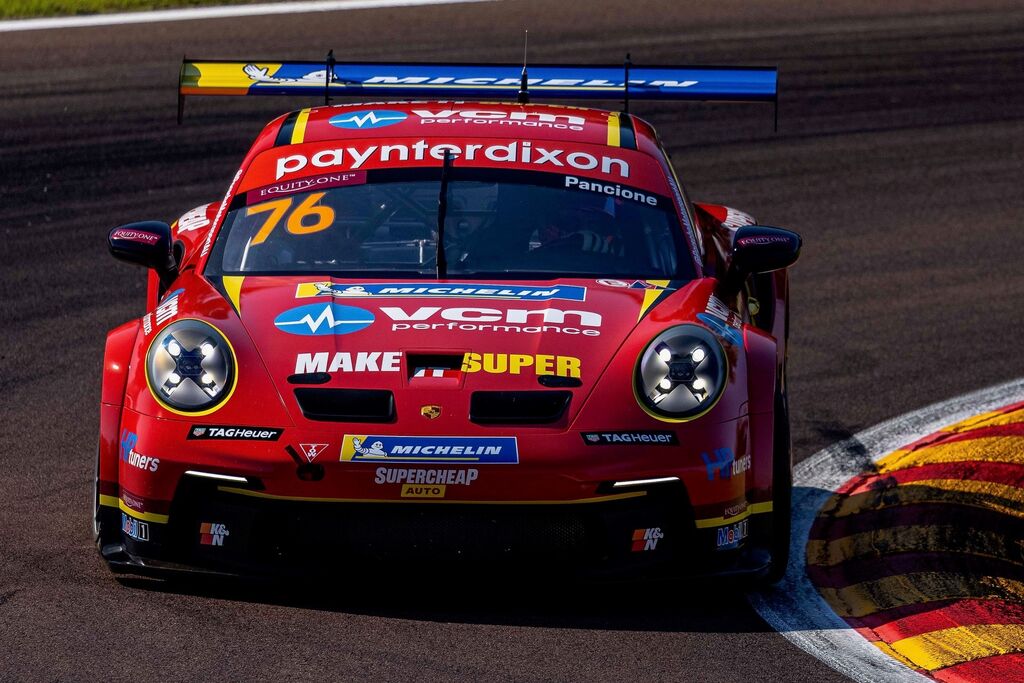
116,356
761,374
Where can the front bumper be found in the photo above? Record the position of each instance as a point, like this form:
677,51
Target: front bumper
644,533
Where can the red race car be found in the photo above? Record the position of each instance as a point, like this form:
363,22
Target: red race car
457,333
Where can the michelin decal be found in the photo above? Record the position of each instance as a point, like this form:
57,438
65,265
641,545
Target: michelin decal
430,449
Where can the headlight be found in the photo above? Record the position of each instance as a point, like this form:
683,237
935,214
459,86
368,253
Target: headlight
681,374
190,367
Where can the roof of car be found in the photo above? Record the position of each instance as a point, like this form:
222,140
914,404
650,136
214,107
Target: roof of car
460,119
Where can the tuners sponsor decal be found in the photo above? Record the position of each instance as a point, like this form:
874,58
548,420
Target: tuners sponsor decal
638,438
521,363
729,537
723,463
129,440
346,361
323,319
520,152
610,189
647,539
215,432
306,290
484,319
133,528
430,449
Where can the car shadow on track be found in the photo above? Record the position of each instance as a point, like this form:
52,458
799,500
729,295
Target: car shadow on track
684,605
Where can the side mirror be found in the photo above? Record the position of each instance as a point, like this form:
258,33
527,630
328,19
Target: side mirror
761,249
145,244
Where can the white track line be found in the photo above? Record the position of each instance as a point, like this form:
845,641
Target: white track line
219,12
794,607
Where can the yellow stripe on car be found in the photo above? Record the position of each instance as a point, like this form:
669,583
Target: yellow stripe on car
614,134
299,131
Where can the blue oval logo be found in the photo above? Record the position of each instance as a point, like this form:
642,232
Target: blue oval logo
368,118
322,319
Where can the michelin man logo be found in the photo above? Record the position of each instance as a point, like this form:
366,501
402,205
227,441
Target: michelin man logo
262,75
376,448
328,289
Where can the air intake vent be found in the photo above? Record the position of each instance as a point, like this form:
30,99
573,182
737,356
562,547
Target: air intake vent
347,405
518,407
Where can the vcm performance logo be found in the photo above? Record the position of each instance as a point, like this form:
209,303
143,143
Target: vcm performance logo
369,118
323,319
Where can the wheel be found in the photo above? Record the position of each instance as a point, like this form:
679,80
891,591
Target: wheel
782,489
97,523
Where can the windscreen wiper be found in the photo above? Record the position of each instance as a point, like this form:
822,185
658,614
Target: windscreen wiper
442,209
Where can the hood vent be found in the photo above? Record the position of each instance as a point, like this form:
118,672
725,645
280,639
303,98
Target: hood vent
518,407
347,405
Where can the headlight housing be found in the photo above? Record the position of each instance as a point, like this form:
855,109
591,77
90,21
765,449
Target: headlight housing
681,373
190,367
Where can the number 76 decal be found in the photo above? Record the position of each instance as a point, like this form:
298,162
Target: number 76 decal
297,223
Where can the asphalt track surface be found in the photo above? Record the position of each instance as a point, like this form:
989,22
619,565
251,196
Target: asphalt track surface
898,158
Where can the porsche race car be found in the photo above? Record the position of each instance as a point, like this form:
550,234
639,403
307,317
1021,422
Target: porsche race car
455,333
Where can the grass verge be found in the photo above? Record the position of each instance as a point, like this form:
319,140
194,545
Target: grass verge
23,9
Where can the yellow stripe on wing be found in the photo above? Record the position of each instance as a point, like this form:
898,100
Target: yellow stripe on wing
211,78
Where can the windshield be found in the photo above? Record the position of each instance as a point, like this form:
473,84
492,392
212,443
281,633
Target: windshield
513,224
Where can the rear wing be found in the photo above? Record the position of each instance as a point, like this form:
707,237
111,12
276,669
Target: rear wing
330,78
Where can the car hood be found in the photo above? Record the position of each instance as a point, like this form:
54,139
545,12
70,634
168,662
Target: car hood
422,339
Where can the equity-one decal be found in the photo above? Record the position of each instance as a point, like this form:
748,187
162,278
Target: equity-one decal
521,152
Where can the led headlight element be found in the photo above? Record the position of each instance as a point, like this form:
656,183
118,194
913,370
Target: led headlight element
681,373
190,367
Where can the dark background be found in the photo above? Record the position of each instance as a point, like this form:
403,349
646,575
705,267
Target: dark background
898,158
